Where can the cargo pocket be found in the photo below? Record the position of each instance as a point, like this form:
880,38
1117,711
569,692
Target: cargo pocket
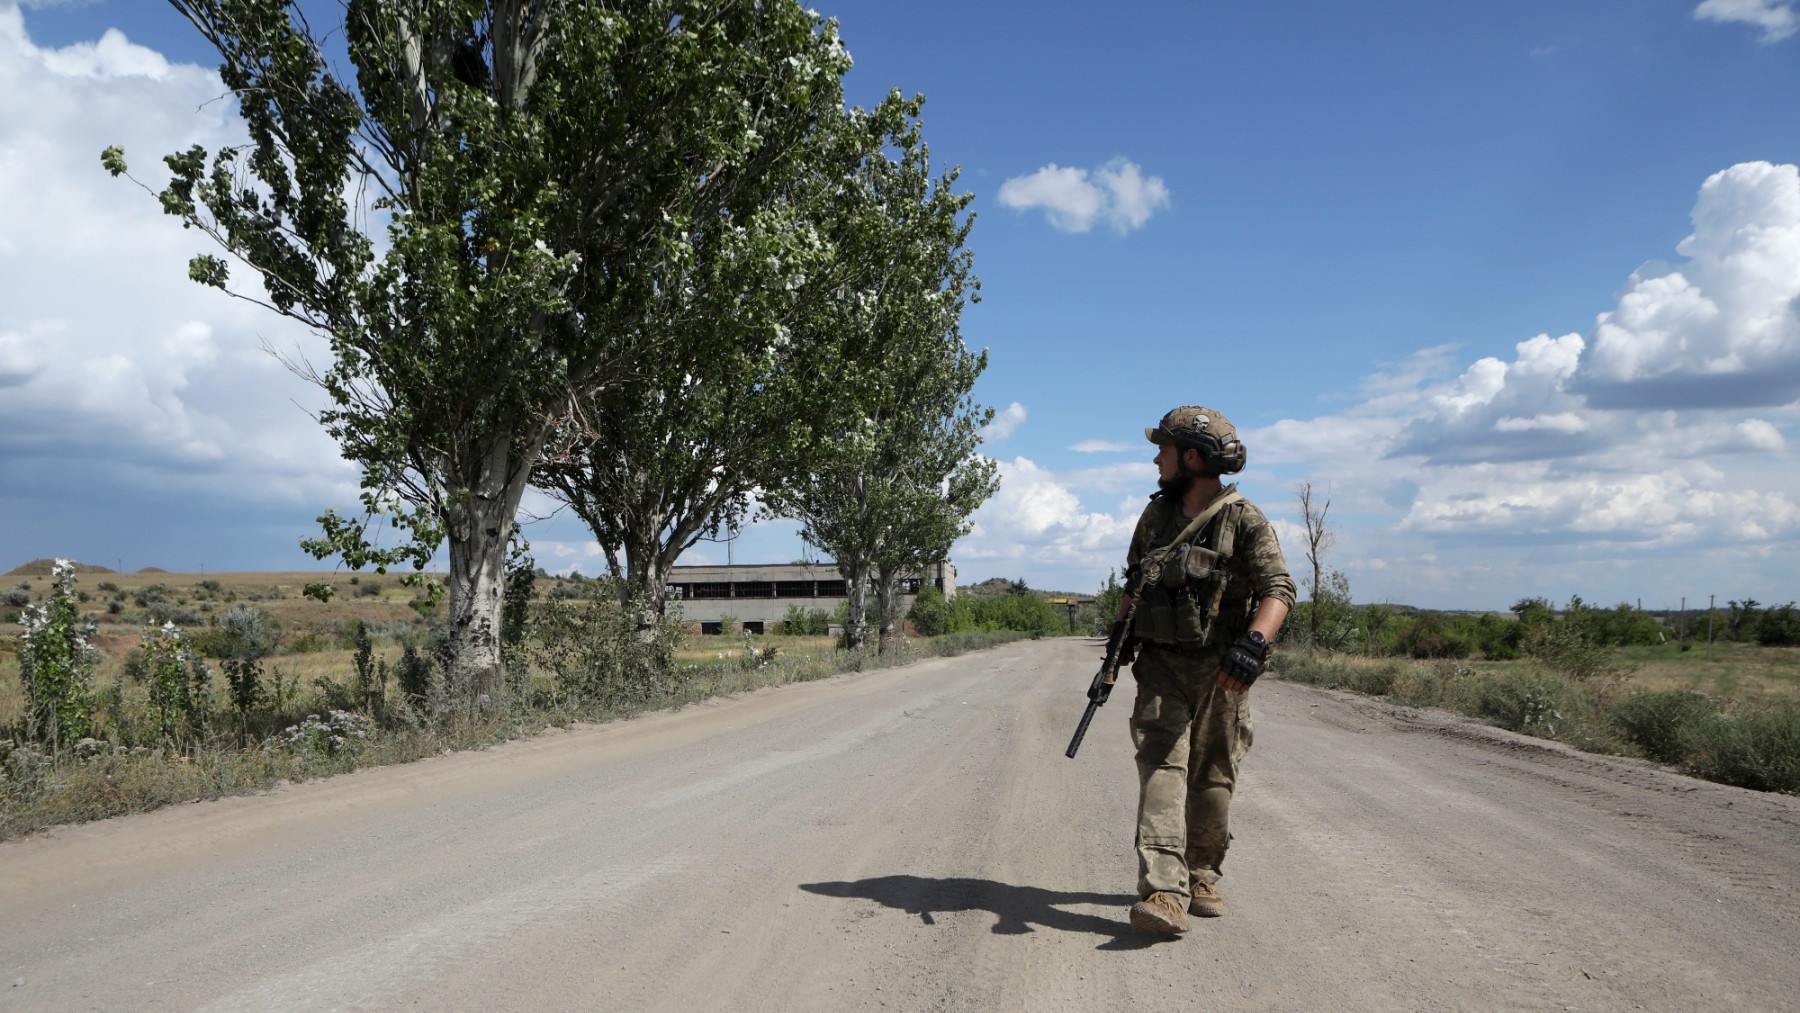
1197,603
1155,617
1246,730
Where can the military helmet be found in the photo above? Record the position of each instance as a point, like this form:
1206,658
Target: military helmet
1205,430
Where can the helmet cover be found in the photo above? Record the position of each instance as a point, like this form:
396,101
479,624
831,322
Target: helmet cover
1207,431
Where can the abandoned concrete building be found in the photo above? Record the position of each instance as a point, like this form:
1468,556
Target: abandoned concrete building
754,598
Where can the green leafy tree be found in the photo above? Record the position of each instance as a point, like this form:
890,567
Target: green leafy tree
896,479
1779,627
740,388
1107,602
534,166
1744,619
1533,611
1331,615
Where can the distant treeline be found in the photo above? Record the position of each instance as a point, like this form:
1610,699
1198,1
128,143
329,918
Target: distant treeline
1534,626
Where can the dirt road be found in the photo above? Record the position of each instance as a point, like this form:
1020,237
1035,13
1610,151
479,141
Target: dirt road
913,839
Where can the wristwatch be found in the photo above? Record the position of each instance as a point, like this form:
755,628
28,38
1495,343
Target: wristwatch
1256,637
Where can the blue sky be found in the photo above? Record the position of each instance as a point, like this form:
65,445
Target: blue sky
1514,283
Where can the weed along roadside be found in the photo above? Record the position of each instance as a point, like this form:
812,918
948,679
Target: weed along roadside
124,693
1668,708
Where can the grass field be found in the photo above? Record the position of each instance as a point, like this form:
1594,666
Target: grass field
1733,717
1734,670
130,767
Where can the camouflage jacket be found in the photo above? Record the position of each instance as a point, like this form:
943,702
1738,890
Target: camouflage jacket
1254,568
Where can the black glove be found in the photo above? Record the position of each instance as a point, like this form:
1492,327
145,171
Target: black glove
1244,660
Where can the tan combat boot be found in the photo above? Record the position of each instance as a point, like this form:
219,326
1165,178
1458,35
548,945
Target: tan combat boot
1160,913
1206,902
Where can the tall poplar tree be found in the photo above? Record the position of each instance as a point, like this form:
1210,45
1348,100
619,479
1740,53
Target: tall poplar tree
748,376
894,481
531,168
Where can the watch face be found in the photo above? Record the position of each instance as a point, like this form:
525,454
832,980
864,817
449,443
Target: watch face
1257,636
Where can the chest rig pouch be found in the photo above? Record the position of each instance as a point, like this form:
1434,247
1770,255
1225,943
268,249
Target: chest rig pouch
1184,583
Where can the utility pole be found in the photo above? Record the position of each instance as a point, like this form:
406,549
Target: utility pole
1681,622
1709,612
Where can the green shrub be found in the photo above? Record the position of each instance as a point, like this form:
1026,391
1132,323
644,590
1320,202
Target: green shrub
802,622
1567,650
1314,668
371,672
1660,722
417,676
1779,627
1521,702
930,615
56,666
1759,750
1430,636
179,686
243,637
1374,680
597,654
161,612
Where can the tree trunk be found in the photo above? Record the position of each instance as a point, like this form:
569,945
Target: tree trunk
646,590
856,595
478,529
886,584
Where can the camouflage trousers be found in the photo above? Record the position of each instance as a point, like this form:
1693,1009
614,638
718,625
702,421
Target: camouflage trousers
1190,737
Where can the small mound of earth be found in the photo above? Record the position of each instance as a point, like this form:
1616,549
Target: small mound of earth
153,569
43,568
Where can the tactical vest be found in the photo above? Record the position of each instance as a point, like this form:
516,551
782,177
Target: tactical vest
1183,583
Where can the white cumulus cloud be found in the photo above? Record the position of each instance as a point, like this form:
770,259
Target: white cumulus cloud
1036,524
113,363
1776,18
1721,329
1075,200
1004,423
1650,450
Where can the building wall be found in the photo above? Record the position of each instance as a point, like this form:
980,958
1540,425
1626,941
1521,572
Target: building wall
759,596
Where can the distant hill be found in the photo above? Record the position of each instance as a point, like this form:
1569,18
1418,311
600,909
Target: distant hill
1002,585
43,567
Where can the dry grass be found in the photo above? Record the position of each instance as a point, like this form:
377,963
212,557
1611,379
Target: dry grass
303,622
111,779
1733,719
704,650
1747,672
1739,671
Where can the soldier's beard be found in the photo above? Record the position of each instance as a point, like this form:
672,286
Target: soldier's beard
1177,486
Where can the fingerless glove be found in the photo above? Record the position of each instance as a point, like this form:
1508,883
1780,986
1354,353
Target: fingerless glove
1244,660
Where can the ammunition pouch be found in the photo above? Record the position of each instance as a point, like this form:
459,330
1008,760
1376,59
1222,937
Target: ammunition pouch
1183,584
1182,607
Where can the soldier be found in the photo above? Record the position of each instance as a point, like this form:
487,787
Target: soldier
1213,592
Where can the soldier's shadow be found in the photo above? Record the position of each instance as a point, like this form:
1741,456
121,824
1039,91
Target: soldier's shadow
1018,909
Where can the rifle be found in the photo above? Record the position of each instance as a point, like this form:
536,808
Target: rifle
1117,642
